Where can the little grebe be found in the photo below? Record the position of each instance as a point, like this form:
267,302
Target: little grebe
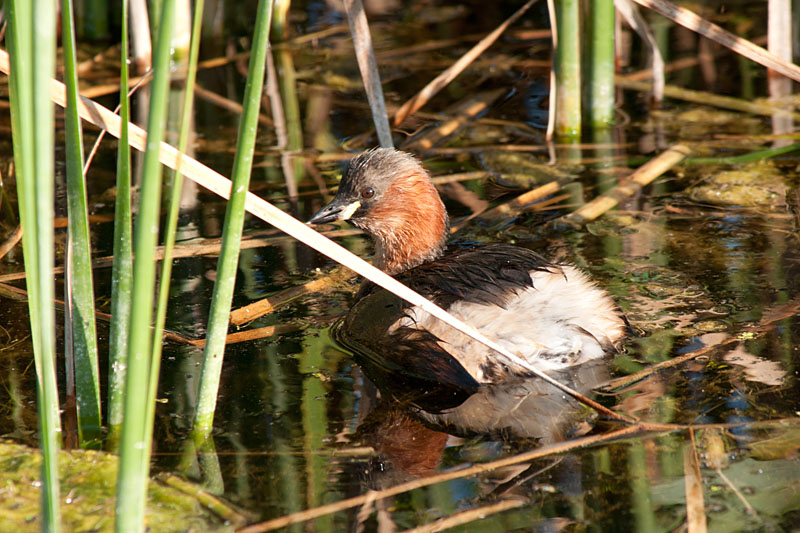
550,314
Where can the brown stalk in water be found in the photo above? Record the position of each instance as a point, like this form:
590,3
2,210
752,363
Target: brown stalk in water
250,312
693,488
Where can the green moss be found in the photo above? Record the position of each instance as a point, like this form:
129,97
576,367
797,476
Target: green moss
88,481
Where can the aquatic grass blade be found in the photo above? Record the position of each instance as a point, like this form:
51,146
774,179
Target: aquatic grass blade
134,461
232,229
81,302
122,267
234,217
172,217
31,39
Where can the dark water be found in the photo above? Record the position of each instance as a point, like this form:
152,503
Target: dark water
295,412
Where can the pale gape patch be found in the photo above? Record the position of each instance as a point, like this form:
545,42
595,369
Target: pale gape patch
567,321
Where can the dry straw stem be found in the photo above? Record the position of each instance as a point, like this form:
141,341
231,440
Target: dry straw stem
767,322
709,99
692,21
644,175
250,312
218,184
466,517
248,335
441,81
544,451
693,488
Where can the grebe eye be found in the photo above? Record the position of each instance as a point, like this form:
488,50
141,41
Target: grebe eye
367,193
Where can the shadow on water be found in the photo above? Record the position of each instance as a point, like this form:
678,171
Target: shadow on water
697,258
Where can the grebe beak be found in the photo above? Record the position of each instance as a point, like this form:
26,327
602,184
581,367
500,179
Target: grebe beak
336,210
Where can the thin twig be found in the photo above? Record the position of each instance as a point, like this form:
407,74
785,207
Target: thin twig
11,242
96,145
227,104
250,334
462,114
544,451
192,249
250,312
631,13
15,293
211,502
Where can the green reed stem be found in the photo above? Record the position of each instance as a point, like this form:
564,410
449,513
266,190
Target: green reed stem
172,217
601,67
84,332
568,70
232,229
134,461
122,268
31,40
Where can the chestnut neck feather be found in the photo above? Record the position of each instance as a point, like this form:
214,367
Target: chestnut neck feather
410,226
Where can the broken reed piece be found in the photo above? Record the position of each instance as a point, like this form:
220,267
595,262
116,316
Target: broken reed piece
643,176
252,311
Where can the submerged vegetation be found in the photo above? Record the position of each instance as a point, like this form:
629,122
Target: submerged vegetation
686,209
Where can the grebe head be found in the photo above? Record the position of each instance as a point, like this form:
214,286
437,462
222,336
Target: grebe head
389,195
